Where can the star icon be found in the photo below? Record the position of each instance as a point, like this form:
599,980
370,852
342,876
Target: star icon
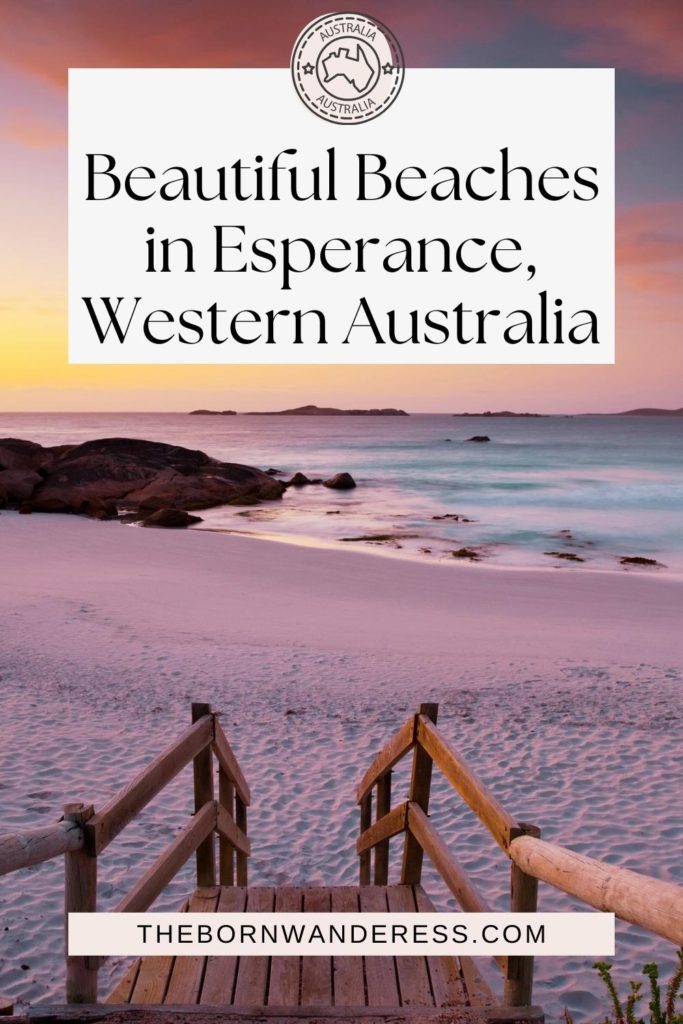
387,68
308,69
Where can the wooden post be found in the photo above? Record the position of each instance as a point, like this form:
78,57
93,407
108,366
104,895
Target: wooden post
80,896
420,783
226,797
382,849
365,823
519,973
203,792
241,822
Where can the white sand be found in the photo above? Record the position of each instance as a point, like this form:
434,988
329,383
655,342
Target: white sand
563,688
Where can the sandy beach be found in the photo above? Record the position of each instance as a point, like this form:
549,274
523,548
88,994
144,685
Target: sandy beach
562,687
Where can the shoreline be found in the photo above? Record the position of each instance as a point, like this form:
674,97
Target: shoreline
279,579
406,554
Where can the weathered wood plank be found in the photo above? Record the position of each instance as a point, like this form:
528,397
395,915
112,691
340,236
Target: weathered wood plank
413,979
365,823
80,896
150,984
651,904
123,990
445,863
231,832
316,971
348,985
230,764
226,853
187,974
274,1015
420,784
202,771
391,824
448,988
221,971
127,804
382,851
390,754
285,971
478,992
466,781
23,849
242,868
167,865
251,988
519,970
380,971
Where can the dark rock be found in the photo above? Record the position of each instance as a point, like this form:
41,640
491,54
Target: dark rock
171,519
567,556
96,509
380,538
316,410
479,438
274,472
453,517
638,560
25,455
151,475
99,477
298,480
340,482
467,553
17,485
25,508
213,412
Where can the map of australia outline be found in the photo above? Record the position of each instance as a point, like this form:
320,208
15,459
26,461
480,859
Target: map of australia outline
338,60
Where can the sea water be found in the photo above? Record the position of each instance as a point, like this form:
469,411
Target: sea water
597,487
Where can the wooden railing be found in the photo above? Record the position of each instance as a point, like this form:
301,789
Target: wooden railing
84,834
653,905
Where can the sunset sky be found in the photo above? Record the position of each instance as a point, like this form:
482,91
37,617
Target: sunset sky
40,39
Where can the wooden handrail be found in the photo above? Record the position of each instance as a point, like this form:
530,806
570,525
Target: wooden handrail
397,747
165,867
652,904
386,827
445,863
229,764
107,823
24,849
227,828
466,781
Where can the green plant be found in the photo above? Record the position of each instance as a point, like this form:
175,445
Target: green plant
660,1013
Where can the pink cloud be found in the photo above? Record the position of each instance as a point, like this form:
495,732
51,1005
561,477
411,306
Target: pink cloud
642,36
29,128
45,39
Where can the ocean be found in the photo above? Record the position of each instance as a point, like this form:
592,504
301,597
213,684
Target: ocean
595,487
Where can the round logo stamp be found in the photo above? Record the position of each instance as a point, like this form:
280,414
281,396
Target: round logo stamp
347,68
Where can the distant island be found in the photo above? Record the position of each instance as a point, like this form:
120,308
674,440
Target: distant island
213,412
503,413
316,410
649,412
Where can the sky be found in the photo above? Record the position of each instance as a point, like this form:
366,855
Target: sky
40,39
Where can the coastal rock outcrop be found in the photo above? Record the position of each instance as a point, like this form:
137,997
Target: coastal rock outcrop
317,410
299,480
18,484
98,478
340,482
171,519
479,438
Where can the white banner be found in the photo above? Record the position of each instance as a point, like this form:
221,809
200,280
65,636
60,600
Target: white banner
214,219
277,934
